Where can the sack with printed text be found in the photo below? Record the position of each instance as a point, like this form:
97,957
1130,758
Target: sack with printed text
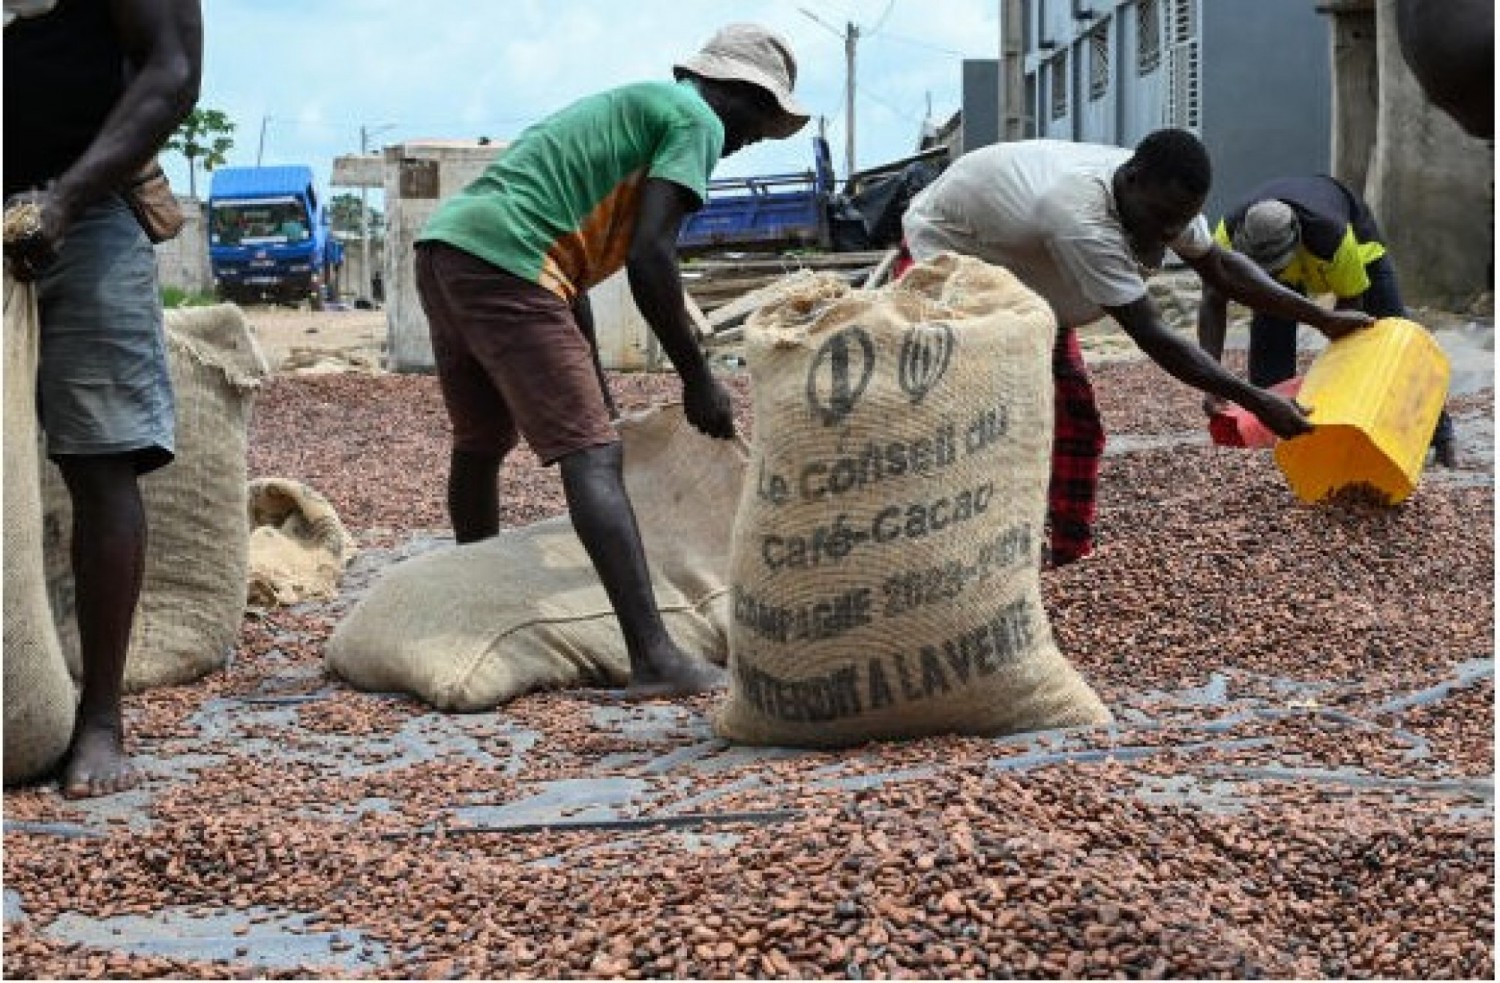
885,558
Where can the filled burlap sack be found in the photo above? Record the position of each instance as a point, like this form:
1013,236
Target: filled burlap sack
471,627
298,546
193,593
39,695
887,543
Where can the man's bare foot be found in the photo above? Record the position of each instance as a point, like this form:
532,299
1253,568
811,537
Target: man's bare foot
97,763
676,675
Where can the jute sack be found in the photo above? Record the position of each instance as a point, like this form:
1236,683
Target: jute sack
471,627
298,547
193,593
887,541
39,696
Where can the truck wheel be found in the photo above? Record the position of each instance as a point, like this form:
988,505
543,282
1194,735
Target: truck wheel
295,292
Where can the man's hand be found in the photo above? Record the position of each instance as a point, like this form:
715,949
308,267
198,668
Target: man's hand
707,406
33,234
1338,323
1286,418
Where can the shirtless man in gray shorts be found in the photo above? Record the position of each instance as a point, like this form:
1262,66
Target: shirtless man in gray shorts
93,88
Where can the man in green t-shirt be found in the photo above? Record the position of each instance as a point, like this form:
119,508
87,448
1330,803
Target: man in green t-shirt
504,268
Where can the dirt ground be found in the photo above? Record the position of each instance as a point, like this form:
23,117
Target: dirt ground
287,333
300,337
1299,782
297,337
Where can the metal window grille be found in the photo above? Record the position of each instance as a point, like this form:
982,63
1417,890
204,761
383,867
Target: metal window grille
1059,85
1098,62
1184,21
1183,102
1148,36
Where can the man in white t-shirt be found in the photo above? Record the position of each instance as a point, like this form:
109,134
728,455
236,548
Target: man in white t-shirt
1083,225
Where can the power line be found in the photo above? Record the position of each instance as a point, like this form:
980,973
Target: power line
880,22
464,124
850,34
868,93
924,44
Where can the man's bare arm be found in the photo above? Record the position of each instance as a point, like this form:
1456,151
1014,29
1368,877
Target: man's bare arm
1238,278
163,42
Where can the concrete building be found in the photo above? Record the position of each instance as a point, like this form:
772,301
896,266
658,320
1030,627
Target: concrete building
979,123
352,278
1431,185
416,176
1249,77
182,261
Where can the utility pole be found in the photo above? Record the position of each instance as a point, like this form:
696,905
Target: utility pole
260,148
851,41
367,286
850,34
1013,109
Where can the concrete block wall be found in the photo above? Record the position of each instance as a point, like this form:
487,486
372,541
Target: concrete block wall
182,262
352,278
1431,186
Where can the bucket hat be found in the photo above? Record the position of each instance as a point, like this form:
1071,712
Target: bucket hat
1268,235
750,53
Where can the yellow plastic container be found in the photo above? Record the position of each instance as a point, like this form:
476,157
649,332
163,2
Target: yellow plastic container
1375,396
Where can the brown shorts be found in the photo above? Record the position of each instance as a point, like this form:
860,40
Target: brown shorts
510,358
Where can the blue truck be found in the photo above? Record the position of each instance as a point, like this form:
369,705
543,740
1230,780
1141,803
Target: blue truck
771,211
269,237
803,210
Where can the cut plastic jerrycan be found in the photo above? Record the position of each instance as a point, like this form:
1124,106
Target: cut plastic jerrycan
1238,427
1375,396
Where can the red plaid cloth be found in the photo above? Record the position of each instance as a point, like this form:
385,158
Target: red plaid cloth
903,262
1077,446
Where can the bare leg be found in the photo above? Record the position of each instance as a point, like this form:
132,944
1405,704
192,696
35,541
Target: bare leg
109,556
474,495
602,516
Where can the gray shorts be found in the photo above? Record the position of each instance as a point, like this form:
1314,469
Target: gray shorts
103,384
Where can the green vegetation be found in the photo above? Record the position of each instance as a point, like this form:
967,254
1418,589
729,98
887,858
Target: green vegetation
344,211
177,297
204,137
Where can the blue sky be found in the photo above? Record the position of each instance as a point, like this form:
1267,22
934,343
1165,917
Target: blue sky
309,73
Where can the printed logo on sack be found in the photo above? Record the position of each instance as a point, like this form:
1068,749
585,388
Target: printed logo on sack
925,353
839,374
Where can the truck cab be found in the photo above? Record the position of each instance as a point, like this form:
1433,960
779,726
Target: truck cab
268,236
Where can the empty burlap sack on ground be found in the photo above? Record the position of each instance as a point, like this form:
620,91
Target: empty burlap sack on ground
471,627
193,593
887,541
39,695
298,547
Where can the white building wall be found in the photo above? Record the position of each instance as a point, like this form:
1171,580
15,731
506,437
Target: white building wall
182,262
